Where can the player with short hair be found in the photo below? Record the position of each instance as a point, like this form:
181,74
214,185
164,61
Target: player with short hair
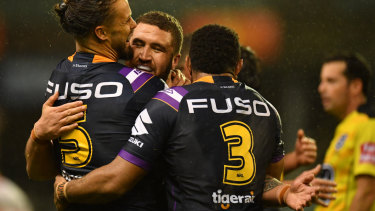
217,137
112,94
349,160
156,45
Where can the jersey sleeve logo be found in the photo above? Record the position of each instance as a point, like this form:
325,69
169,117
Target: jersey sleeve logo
139,127
172,96
136,78
340,143
367,153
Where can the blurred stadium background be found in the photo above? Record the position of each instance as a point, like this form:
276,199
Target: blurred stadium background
291,37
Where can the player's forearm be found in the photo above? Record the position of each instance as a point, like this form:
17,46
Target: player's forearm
40,160
273,194
93,188
290,162
104,184
275,170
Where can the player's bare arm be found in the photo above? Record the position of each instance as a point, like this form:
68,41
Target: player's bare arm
305,152
55,121
101,185
365,194
297,195
276,169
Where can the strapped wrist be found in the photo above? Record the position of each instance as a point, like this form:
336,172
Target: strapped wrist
36,139
61,191
282,195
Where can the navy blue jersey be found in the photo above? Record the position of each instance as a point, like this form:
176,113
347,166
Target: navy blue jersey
114,96
216,136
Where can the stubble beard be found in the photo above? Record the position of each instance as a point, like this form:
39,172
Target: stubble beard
126,53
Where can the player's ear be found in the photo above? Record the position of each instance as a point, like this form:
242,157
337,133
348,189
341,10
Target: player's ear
238,67
356,86
175,60
100,32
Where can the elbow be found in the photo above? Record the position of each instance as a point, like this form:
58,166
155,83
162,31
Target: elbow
30,173
33,176
37,175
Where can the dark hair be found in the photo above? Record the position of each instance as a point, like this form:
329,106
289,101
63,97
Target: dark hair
80,17
166,23
249,73
214,49
184,50
356,67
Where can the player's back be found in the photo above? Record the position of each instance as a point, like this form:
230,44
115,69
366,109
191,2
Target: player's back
114,95
217,138
225,138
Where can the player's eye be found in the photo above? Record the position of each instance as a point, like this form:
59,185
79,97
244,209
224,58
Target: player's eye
137,44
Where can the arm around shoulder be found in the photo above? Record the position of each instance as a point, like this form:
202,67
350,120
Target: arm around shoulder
54,122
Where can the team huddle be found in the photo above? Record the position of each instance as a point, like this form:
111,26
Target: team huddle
145,136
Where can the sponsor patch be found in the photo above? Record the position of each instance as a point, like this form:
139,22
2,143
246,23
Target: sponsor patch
367,153
136,78
340,143
226,200
136,142
139,126
172,96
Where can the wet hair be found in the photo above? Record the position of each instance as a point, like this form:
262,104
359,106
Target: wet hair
80,17
166,23
356,67
214,49
250,71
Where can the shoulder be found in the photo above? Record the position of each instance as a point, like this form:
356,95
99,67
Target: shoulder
172,96
139,79
262,99
63,66
366,126
263,102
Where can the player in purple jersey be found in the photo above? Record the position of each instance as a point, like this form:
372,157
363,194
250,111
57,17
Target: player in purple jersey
113,94
218,138
104,35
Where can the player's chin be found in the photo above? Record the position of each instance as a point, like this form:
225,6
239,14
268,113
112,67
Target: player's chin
126,53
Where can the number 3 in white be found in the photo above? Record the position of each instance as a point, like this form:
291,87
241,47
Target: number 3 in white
239,138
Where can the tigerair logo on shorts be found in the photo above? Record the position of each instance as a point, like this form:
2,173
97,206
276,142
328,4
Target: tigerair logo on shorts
227,199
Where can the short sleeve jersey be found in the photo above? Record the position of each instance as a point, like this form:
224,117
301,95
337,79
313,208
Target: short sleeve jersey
216,136
114,96
351,153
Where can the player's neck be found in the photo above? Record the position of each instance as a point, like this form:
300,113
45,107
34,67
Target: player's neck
89,46
353,105
198,75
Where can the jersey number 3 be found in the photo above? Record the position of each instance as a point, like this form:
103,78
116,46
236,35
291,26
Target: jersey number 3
239,138
76,147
